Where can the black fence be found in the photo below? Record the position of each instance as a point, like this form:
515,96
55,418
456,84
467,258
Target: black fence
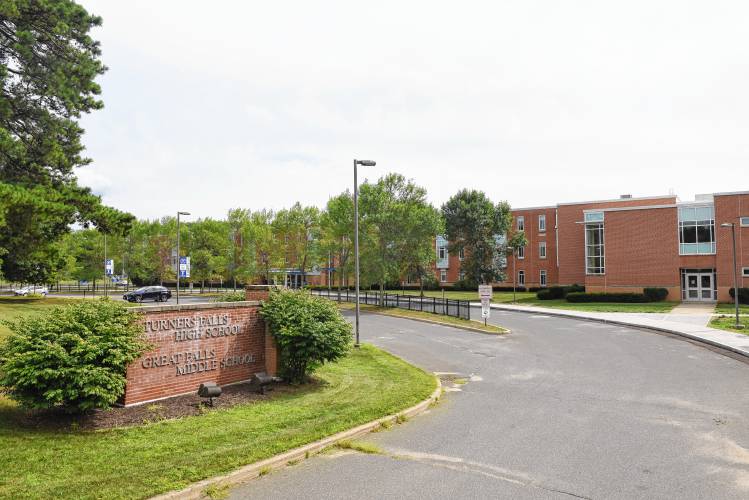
445,307
113,289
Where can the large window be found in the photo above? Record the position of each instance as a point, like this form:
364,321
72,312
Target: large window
696,230
521,252
542,250
521,278
541,223
594,249
542,280
521,223
744,221
442,253
443,276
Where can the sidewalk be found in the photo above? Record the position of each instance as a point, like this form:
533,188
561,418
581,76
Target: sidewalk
683,323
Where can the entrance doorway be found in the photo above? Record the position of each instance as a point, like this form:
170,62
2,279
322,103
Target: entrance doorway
698,285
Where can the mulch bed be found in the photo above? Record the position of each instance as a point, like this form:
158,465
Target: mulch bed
180,406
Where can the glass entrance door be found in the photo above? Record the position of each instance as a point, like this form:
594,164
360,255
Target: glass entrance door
699,287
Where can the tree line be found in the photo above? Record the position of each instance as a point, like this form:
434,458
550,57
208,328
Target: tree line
398,227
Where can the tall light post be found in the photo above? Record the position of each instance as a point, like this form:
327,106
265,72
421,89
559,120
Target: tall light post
732,225
178,256
363,163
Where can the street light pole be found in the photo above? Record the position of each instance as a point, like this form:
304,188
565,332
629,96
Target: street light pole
363,163
732,225
178,256
105,264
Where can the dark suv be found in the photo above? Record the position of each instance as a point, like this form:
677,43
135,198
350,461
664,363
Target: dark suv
156,293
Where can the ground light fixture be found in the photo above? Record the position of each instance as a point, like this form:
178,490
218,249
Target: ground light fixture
178,214
363,163
732,225
209,390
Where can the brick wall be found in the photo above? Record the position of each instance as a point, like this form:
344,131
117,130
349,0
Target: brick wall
571,247
532,264
728,208
223,343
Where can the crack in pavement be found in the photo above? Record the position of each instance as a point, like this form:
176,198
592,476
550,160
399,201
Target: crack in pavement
462,465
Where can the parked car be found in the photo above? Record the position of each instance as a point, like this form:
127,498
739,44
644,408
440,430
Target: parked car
34,289
121,283
155,293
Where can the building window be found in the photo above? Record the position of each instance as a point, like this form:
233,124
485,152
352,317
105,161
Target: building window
442,253
443,276
542,249
594,249
744,221
542,223
521,253
745,272
461,254
542,279
521,278
594,217
521,223
461,275
696,230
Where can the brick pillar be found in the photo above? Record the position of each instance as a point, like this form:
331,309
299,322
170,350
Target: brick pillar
262,292
271,353
258,292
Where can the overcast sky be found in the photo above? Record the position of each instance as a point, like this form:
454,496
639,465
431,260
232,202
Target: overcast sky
214,105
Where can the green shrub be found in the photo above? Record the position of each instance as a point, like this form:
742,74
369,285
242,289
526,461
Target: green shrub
743,295
606,297
72,357
558,292
309,331
655,294
237,296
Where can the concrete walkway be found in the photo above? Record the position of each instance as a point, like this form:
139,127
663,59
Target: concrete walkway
685,320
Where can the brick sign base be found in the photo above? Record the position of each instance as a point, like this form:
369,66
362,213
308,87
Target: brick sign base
223,343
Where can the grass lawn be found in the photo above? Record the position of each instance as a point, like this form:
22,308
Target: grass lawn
651,307
730,308
143,461
14,307
729,322
437,318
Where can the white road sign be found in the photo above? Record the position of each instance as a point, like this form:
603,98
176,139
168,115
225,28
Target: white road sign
486,308
109,267
486,292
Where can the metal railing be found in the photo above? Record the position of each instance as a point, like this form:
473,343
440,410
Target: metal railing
446,307
112,289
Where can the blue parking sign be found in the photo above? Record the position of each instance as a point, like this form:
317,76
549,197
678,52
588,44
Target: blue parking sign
184,267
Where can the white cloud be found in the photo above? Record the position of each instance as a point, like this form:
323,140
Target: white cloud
260,104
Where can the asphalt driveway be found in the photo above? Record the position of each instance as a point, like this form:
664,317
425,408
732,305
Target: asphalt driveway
558,409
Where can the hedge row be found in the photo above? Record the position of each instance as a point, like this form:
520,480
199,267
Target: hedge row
743,295
558,292
648,295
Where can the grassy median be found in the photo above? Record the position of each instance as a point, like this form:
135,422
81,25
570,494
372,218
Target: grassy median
139,462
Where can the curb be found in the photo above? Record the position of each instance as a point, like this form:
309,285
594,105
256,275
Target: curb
252,471
676,333
450,325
